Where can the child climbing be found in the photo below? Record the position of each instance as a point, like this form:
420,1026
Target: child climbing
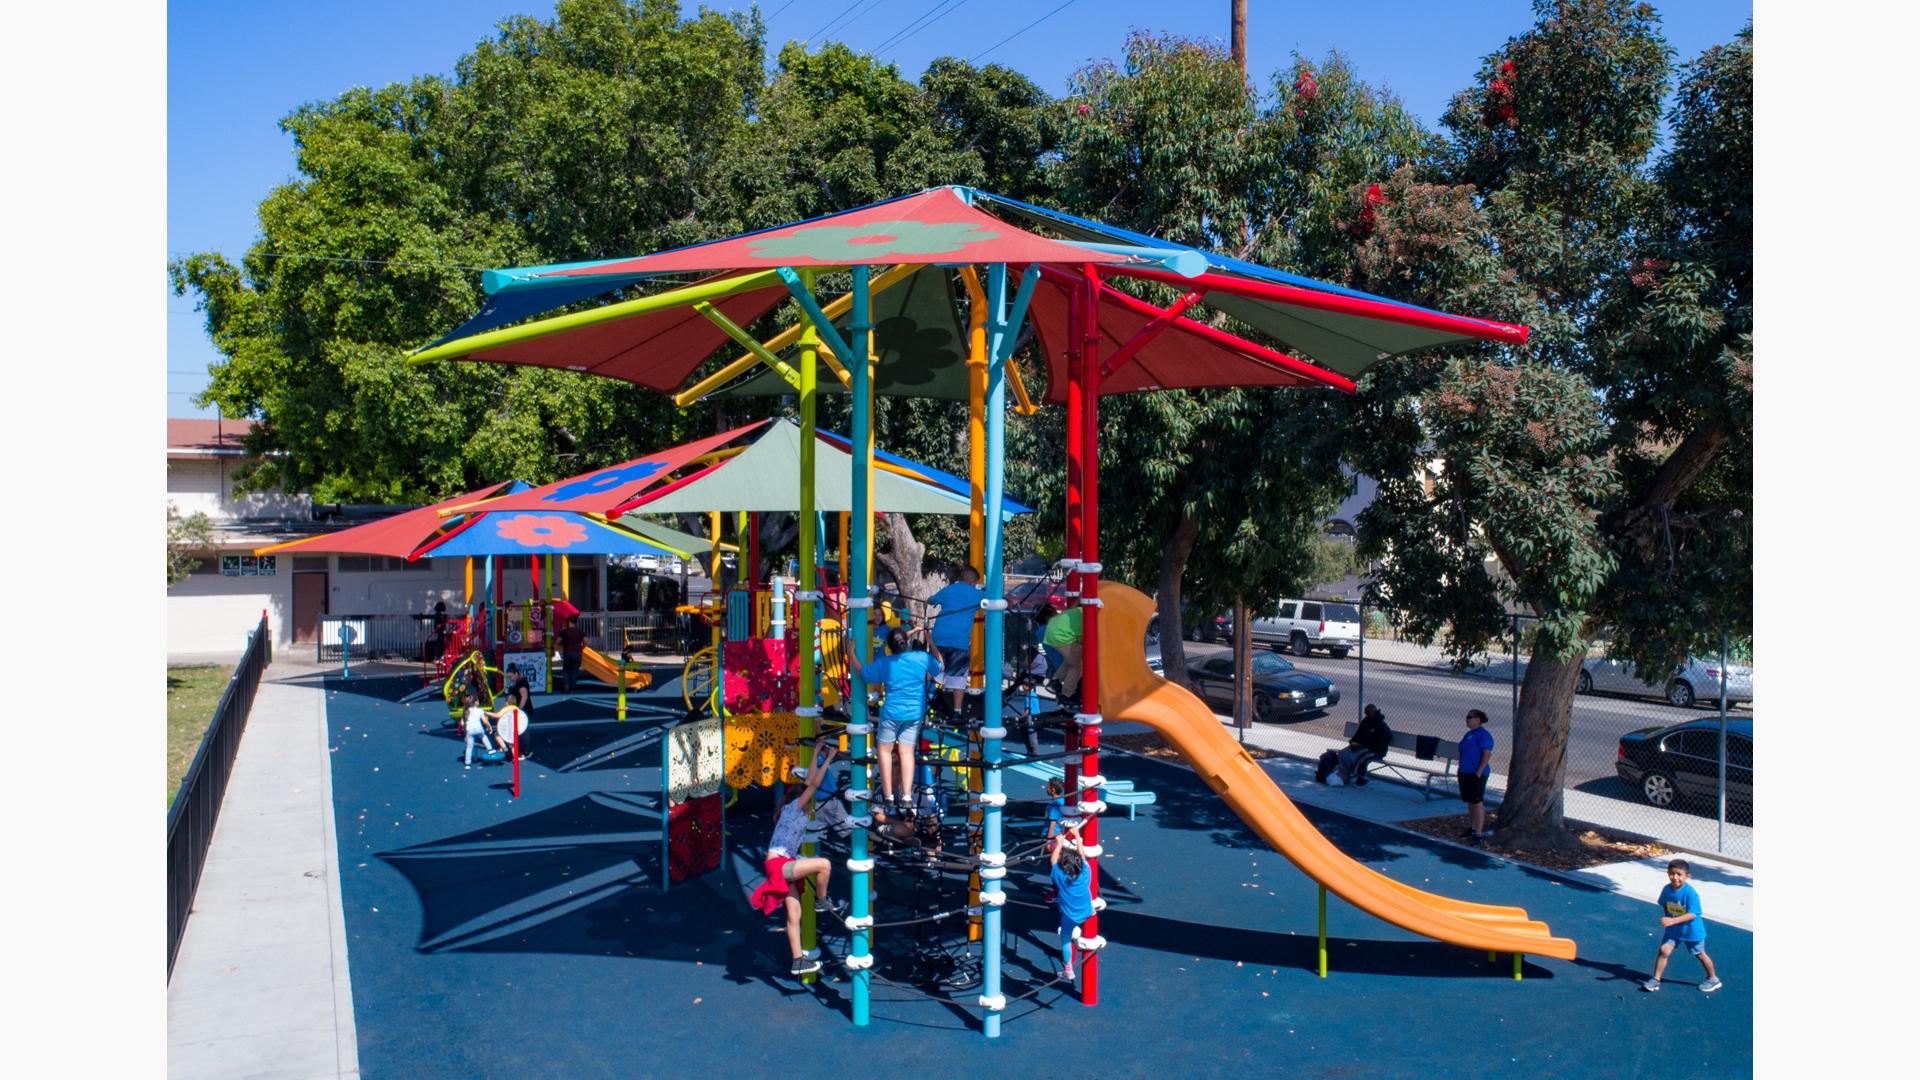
785,871
1073,889
479,726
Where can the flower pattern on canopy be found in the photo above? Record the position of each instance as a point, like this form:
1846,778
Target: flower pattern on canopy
872,240
541,530
602,482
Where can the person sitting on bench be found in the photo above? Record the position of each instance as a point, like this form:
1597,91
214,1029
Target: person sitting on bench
1369,743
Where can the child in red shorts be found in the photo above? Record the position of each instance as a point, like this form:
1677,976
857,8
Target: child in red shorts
785,870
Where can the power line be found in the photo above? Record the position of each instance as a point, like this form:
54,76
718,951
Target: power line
933,14
843,14
1022,30
783,7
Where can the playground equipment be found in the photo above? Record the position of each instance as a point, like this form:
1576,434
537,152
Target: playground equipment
896,332
1129,691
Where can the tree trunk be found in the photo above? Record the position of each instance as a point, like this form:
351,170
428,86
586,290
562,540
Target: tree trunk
905,557
1242,667
1173,562
1532,813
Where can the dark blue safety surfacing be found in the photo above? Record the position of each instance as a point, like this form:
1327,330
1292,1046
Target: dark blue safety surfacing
488,937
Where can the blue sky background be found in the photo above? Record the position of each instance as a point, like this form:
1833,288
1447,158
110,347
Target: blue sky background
234,69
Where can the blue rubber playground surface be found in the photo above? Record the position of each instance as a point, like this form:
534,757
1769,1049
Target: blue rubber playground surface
489,936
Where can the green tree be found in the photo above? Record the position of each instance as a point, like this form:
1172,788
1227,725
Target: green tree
188,538
1625,420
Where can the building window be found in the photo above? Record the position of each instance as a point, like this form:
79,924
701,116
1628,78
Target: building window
357,564
309,562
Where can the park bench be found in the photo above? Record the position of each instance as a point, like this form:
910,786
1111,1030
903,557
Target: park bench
1114,792
1431,768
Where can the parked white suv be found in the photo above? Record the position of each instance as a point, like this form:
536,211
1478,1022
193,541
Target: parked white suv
1301,626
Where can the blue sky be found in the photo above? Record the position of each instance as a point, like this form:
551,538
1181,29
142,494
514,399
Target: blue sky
234,69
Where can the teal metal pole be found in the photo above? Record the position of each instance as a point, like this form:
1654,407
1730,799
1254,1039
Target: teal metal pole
859,861
992,854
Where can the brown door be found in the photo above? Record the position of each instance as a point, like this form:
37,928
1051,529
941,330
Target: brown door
309,603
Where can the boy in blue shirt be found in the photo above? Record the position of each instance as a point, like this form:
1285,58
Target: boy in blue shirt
907,674
953,631
1476,760
1684,924
1073,889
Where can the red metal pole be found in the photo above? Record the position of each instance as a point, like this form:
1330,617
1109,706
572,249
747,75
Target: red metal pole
1090,610
1070,732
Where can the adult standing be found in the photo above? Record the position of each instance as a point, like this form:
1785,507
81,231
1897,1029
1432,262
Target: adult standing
1476,761
573,642
953,631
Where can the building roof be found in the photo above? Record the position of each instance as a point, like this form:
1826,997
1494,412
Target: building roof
206,438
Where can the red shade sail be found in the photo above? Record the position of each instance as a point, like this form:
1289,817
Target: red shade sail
398,536
934,226
601,491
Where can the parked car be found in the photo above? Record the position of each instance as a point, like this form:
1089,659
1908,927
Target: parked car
1208,628
1678,766
1696,680
1301,626
1279,689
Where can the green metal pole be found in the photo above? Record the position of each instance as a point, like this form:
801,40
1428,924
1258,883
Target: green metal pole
1323,931
1516,967
809,708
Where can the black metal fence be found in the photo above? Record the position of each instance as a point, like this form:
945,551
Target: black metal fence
195,809
410,637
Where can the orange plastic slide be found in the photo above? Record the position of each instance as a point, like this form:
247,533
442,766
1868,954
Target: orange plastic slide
1129,691
598,666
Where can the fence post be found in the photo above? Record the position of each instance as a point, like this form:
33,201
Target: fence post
1360,690
1720,844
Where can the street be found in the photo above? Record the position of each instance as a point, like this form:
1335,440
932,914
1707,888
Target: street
1424,701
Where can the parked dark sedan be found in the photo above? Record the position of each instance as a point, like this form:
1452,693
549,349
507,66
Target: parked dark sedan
1677,767
1279,689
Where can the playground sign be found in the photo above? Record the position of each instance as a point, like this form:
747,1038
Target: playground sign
531,664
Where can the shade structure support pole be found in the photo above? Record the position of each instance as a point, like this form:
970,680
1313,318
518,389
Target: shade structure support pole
1090,609
858,639
809,696
1076,446
993,730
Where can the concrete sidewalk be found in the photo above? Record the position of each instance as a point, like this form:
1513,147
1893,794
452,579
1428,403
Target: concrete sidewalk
260,987
1726,887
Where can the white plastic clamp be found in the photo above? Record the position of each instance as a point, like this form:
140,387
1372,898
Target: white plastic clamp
1090,719
860,794
1092,780
993,899
993,858
992,873
1069,592
1072,810
864,821
1096,806
993,1002
1069,565
859,601
1090,567
993,798
859,729
859,922
859,963
993,605
1091,601
806,594
1099,903
993,733
860,866
807,710
1091,851
1091,944
976,691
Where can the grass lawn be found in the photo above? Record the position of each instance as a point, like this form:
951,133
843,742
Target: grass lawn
192,695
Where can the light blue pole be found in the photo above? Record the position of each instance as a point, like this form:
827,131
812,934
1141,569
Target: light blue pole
992,855
859,861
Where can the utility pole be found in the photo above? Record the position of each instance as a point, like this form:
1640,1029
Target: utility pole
1239,38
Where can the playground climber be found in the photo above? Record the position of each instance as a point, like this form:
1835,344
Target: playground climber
1073,889
1056,806
953,631
785,870
1063,634
907,671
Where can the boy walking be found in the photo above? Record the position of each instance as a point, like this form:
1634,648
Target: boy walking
1685,925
